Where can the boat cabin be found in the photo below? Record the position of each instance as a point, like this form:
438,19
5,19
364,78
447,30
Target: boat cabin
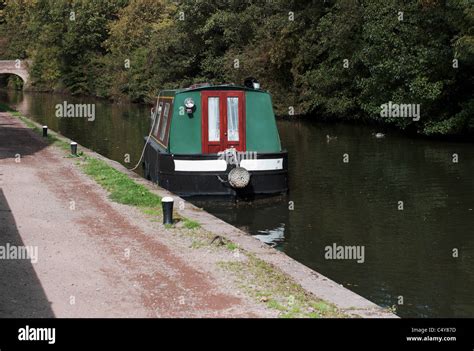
215,140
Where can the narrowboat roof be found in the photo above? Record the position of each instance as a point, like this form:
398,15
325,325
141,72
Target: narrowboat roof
199,87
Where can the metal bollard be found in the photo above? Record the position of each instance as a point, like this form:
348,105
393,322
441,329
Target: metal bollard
45,131
74,148
167,204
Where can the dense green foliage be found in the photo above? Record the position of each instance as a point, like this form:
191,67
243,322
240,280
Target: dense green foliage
333,59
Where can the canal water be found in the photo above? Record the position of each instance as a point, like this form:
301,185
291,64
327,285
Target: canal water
403,201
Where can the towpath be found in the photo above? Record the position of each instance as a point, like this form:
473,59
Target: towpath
95,258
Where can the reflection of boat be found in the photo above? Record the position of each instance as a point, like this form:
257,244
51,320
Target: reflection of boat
216,140
265,217
272,236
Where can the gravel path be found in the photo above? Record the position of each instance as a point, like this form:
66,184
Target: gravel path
95,258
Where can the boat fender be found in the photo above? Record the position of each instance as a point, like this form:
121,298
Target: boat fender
239,177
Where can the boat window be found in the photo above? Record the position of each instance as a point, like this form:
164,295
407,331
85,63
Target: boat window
233,119
158,117
213,118
165,121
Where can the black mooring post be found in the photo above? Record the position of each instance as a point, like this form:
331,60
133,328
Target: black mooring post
45,131
74,148
167,204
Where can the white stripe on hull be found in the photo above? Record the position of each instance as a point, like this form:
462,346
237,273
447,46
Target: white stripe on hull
269,164
200,165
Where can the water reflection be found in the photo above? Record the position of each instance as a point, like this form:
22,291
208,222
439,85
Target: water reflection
272,237
266,218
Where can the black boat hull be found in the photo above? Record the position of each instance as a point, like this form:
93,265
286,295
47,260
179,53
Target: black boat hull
206,174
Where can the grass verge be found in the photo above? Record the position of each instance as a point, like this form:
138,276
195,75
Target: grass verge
277,290
121,188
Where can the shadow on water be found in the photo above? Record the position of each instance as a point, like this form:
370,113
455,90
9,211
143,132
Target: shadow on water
21,293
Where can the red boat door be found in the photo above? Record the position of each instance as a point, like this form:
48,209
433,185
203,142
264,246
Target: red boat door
223,120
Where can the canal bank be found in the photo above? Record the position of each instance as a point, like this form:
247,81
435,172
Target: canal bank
96,254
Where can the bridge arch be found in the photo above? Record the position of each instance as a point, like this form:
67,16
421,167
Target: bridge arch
16,67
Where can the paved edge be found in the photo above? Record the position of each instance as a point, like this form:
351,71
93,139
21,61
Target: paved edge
313,282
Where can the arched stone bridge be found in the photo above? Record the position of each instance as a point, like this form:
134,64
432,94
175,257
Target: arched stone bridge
17,67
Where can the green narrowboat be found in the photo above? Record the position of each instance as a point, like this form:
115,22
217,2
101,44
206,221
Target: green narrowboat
216,140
